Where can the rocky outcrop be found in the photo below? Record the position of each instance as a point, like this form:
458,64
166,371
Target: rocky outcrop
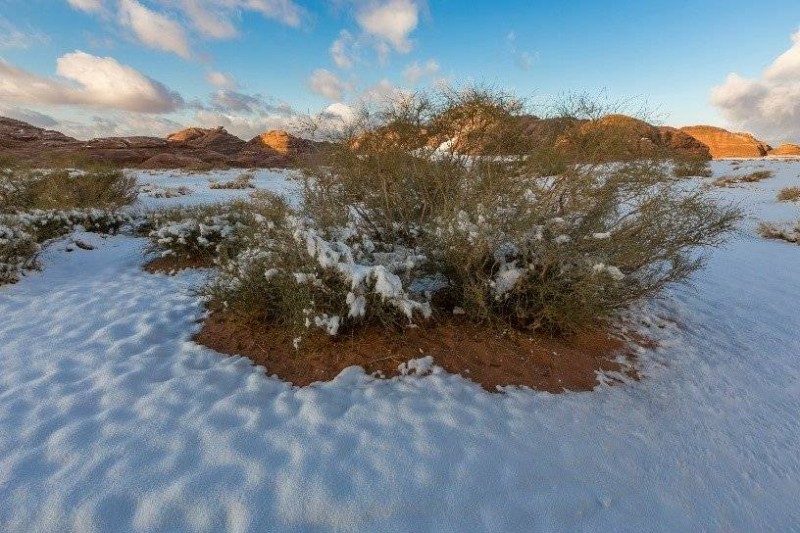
22,139
722,143
166,161
275,148
190,148
679,142
215,139
786,150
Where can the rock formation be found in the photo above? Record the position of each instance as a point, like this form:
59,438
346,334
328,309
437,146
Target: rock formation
722,143
786,150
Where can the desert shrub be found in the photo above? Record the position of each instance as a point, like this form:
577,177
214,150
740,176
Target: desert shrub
691,167
753,177
778,232
453,192
25,189
154,191
512,242
789,194
51,224
242,181
293,274
200,232
18,250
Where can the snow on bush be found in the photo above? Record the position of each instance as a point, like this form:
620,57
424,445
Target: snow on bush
784,233
154,191
18,250
200,231
549,229
308,279
242,181
22,233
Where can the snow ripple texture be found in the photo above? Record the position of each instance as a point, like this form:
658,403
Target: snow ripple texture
111,419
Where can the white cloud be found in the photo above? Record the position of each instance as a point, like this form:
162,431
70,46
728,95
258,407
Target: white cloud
342,50
209,19
414,73
154,29
768,106
120,124
390,21
90,81
327,84
11,36
40,120
246,126
382,92
221,80
339,111
87,5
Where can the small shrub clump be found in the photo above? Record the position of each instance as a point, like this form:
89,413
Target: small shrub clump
691,167
24,189
18,251
242,181
38,206
753,177
154,191
789,194
439,203
199,234
774,231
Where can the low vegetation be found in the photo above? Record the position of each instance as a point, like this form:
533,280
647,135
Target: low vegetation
753,177
435,205
37,206
779,232
692,167
789,194
242,181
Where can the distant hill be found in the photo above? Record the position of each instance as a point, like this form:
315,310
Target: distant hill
216,148
190,148
723,143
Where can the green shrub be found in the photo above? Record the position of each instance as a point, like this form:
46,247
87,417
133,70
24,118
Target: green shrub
450,198
691,167
18,251
200,232
25,189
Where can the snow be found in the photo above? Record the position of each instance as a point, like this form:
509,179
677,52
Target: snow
112,419
197,188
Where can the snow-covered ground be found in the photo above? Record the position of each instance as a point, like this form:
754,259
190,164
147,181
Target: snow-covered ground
112,420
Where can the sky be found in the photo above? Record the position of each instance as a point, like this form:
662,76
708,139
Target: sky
120,67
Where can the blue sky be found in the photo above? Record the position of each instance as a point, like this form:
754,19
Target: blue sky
148,66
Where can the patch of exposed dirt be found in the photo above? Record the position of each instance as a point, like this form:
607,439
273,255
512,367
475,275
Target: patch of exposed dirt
482,354
171,265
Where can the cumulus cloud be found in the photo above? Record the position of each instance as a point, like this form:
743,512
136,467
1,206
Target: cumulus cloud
342,50
35,118
221,80
87,81
87,5
154,29
213,19
414,73
339,111
391,22
120,124
12,36
327,84
383,91
768,106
